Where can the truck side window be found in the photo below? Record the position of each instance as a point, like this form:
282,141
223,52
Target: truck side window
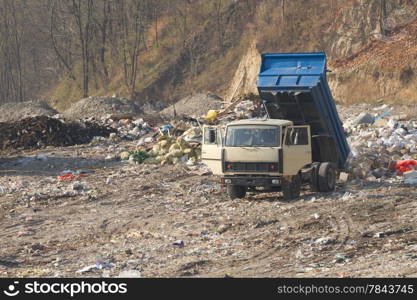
210,136
297,136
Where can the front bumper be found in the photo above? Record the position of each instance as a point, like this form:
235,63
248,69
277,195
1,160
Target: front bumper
251,181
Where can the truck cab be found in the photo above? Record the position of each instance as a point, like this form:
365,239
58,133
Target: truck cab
262,155
257,153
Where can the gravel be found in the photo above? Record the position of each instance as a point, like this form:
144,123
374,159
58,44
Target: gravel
13,111
193,106
100,107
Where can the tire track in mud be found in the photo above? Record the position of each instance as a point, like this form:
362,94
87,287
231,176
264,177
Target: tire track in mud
340,230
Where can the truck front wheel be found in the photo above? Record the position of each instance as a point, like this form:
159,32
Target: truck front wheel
291,188
326,177
236,191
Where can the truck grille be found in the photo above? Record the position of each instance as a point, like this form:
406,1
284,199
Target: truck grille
250,167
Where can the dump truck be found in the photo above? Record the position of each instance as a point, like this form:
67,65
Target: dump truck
300,142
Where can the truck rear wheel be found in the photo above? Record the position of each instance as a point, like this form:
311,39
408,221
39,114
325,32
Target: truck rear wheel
291,188
326,177
236,191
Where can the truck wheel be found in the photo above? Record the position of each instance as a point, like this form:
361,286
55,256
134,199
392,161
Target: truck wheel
327,177
291,188
236,191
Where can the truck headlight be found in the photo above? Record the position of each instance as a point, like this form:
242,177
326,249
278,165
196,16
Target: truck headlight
275,181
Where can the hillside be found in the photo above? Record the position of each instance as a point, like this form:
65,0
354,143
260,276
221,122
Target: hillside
166,50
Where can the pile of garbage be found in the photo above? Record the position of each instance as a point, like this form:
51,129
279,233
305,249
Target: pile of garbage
377,142
244,108
42,131
129,128
166,148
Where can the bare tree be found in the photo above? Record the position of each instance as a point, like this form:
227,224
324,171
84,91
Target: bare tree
383,16
103,23
82,11
223,14
62,53
11,81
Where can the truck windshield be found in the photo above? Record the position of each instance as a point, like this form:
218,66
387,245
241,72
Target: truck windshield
250,136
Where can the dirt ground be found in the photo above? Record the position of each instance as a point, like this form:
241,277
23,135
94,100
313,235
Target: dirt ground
173,221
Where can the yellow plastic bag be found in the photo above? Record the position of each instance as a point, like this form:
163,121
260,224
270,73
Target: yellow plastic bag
211,115
124,155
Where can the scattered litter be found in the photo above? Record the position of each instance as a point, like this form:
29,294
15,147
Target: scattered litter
78,186
124,155
379,234
103,265
86,269
166,128
341,258
179,243
3,189
384,106
324,241
70,177
383,115
403,166
211,115
410,177
343,177
364,118
346,196
41,157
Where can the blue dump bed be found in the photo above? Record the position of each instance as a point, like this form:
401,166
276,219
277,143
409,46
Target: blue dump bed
294,87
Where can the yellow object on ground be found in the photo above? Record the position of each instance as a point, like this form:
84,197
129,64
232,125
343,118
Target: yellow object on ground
124,155
211,115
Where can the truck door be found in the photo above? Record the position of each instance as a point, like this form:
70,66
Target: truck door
211,152
296,148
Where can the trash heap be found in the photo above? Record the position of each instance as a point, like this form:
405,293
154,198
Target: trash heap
376,141
173,150
128,128
241,109
42,131
166,148
244,109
